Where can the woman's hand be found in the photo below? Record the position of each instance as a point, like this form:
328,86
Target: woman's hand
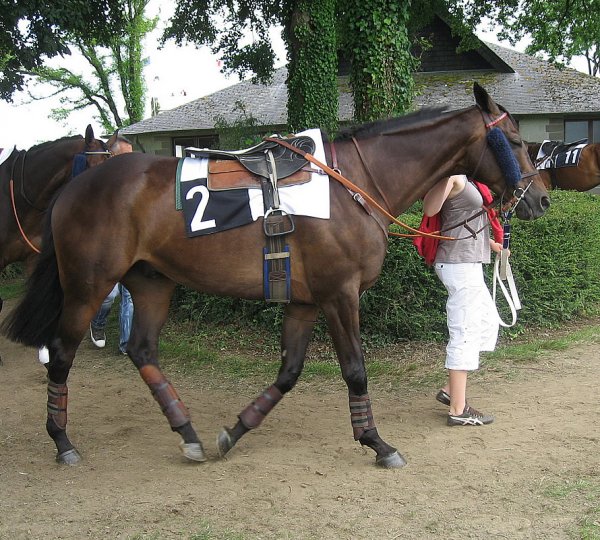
496,247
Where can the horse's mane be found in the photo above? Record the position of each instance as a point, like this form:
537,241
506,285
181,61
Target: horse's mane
379,127
47,144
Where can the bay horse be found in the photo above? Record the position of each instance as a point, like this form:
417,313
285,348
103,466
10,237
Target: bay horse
118,223
582,177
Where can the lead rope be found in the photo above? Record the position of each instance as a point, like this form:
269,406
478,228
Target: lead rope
511,295
503,272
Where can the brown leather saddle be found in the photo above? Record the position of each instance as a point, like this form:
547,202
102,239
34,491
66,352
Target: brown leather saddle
248,168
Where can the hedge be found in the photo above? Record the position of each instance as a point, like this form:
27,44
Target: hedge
555,261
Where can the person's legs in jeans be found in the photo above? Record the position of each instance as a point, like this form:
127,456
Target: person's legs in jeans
125,318
99,321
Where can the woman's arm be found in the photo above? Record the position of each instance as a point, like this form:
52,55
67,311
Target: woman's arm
444,189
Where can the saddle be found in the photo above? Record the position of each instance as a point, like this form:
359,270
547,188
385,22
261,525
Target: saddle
266,160
267,165
551,148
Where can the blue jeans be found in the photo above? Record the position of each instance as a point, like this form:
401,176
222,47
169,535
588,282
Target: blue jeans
125,314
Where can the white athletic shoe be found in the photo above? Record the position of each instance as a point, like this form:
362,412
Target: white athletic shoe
98,337
43,355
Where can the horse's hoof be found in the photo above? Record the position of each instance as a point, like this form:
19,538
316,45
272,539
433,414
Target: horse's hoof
393,461
69,457
193,451
224,442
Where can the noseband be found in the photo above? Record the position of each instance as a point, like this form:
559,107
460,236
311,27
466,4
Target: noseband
518,192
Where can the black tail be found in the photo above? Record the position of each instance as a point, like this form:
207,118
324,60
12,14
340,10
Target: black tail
35,319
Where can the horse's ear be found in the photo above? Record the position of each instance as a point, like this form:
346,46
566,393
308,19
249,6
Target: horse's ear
483,99
113,140
89,134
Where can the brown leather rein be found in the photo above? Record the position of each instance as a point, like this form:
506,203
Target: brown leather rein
350,186
336,174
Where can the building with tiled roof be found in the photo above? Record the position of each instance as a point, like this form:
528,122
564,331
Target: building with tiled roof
549,102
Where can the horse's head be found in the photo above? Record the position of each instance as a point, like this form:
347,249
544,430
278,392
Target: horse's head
502,160
118,144
95,151
89,154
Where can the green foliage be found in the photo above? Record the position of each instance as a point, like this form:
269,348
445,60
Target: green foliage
555,261
31,31
310,35
241,133
560,28
376,38
223,26
116,66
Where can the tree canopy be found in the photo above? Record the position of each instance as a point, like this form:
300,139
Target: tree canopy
32,31
560,29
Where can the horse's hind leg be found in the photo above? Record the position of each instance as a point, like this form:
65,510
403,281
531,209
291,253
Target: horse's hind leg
151,294
343,322
298,323
72,328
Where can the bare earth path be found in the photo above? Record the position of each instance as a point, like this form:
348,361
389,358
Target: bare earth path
300,476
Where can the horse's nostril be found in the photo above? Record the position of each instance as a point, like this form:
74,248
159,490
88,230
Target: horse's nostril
545,203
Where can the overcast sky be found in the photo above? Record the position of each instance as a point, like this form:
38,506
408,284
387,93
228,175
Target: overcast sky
174,75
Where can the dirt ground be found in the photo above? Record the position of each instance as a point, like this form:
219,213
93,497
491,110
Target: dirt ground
301,475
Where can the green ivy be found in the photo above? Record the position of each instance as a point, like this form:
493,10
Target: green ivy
310,36
376,40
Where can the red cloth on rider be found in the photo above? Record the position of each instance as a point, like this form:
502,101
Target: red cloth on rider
427,246
487,197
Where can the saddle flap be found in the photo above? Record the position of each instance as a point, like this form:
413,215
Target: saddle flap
226,174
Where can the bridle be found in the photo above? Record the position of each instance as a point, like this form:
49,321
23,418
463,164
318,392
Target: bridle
23,153
507,208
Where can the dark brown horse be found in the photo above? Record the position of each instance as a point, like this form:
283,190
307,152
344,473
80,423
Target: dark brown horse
118,222
582,177
36,175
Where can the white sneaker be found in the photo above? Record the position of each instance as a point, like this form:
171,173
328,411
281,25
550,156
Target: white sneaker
98,337
43,355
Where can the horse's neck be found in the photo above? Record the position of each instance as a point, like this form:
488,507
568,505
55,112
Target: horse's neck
41,175
411,163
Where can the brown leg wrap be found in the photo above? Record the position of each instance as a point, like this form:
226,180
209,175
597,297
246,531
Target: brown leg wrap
166,396
255,413
57,404
361,415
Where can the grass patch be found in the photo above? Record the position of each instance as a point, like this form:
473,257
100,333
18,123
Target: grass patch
231,353
12,288
585,494
205,531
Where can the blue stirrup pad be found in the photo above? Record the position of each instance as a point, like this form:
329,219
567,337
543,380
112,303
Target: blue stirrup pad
79,164
504,156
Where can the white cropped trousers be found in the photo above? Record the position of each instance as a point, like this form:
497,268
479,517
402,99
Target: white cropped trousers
473,320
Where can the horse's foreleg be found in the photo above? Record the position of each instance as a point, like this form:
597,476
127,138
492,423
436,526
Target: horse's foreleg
151,296
343,321
298,323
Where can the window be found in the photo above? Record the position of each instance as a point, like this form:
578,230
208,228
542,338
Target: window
582,129
201,141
